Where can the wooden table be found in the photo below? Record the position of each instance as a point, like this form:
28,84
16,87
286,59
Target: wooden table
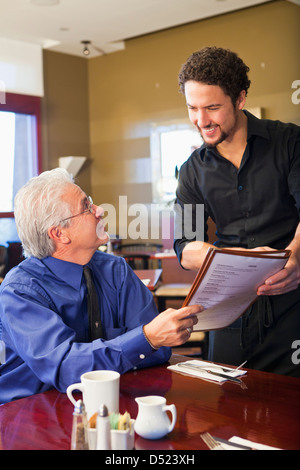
268,411
149,276
166,260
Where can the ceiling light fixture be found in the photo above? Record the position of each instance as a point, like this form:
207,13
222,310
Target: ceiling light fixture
86,50
87,45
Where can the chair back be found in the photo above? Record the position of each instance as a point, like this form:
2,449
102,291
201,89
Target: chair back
137,260
140,247
138,255
3,261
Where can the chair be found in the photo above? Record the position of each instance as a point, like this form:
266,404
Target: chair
3,262
140,247
137,260
196,346
15,254
171,292
138,255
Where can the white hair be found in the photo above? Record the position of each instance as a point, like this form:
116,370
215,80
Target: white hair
38,206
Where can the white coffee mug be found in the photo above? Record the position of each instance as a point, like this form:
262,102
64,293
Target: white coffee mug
98,387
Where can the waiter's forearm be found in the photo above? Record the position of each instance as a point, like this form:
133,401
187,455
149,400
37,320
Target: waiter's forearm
193,254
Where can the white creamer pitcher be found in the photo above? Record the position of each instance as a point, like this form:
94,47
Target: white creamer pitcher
152,421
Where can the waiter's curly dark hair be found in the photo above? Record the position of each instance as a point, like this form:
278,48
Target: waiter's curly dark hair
216,66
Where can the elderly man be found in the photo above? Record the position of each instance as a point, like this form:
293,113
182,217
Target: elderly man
44,323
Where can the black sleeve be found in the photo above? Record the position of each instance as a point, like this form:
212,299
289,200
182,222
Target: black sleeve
190,222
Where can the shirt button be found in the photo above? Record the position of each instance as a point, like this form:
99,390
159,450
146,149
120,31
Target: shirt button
142,356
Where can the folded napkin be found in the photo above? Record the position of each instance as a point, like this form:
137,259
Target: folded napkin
245,442
202,370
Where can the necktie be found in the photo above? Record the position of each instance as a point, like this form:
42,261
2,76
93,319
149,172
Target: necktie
95,326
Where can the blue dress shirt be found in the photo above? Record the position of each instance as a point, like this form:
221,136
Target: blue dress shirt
44,324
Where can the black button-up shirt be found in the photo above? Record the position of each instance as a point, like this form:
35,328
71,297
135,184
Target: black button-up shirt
254,205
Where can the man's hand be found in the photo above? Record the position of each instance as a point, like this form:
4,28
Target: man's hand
172,327
284,281
288,278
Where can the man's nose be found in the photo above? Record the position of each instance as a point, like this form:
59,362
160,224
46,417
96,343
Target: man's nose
202,119
99,211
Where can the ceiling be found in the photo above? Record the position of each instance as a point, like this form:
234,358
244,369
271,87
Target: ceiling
106,23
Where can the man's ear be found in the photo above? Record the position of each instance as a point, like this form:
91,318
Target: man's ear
240,102
58,235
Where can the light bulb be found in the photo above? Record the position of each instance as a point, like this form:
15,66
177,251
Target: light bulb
86,50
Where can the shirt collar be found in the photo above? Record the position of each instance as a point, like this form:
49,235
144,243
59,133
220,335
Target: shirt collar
256,127
70,273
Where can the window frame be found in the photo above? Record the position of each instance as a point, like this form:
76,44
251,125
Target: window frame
155,152
25,104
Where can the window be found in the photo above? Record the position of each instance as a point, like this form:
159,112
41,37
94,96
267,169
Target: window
7,137
171,145
19,146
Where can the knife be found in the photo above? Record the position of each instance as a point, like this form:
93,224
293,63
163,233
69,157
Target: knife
232,444
191,366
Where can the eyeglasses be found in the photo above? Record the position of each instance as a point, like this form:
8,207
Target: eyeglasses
89,203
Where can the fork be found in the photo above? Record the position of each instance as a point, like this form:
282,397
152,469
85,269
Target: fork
227,369
210,442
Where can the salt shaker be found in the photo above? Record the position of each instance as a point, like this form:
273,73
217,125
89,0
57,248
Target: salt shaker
79,440
103,429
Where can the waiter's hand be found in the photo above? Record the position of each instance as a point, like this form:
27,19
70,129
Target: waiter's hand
284,281
288,278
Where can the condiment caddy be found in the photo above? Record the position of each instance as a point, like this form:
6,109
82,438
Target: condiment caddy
115,431
103,431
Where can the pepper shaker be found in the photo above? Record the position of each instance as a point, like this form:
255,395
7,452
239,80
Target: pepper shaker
79,440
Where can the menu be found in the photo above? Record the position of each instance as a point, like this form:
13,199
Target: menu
227,283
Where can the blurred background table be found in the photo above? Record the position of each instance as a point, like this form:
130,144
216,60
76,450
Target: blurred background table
149,277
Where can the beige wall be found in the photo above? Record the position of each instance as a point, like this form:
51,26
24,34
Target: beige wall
104,107
65,130
129,90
